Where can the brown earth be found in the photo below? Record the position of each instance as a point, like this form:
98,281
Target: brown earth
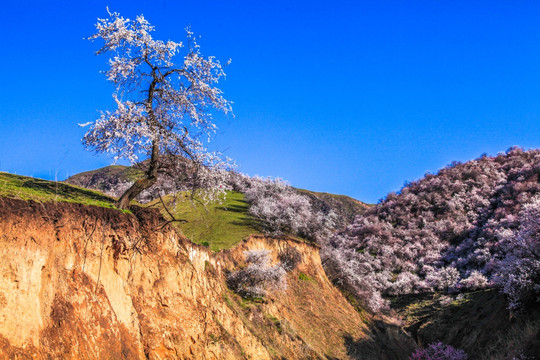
82,282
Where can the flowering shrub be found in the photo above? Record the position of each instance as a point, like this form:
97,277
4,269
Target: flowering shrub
475,281
438,351
445,300
355,276
258,277
282,213
280,209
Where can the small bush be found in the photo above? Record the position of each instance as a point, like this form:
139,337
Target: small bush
439,351
445,300
475,281
258,277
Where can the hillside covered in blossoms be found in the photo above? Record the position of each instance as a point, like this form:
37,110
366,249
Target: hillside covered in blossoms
471,226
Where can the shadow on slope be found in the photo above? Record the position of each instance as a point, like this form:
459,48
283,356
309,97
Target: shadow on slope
477,322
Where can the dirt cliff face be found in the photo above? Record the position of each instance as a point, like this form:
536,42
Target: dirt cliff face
82,282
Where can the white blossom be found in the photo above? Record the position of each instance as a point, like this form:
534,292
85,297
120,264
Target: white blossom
162,109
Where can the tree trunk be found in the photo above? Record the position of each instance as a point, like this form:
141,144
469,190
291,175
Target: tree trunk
144,183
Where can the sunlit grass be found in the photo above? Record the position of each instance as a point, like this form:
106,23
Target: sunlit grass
219,225
27,188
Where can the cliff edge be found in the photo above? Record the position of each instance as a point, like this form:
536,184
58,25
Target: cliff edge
85,282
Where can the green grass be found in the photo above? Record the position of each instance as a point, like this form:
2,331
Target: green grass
304,277
275,322
27,188
219,226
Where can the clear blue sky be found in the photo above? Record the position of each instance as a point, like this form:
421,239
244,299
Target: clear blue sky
350,97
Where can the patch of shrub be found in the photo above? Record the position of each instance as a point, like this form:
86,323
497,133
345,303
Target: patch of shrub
304,277
259,277
438,351
475,281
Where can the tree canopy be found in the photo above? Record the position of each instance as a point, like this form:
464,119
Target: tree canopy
163,108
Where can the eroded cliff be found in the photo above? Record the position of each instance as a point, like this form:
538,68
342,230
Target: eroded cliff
83,282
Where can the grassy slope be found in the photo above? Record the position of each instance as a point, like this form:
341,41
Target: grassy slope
225,224
127,173
221,226
27,188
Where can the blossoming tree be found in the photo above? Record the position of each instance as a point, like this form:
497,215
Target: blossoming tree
163,109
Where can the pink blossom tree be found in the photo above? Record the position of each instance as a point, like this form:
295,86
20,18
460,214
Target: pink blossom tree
475,281
162,109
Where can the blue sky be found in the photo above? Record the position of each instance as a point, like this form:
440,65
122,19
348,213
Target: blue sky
351,97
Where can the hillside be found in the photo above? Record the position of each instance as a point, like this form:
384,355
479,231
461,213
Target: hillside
346,207
113,180
465,209
469,227
92,282
27,188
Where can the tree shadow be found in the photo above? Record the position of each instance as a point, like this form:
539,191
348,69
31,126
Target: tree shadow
247,221
234,208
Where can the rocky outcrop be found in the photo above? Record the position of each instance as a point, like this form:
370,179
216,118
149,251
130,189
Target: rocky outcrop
83,282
